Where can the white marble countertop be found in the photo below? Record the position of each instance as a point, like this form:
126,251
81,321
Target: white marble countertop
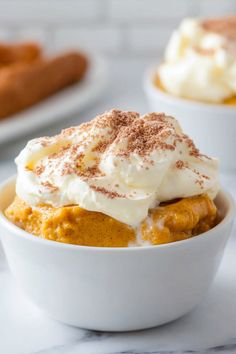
211,328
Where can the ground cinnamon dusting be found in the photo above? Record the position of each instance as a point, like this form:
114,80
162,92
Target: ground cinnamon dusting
200,182
204,51
144,137
44,141
180,164
39,170
225,26
124,134
50,186
109,194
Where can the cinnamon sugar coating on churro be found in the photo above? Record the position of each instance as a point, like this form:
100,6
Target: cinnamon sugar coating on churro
24,85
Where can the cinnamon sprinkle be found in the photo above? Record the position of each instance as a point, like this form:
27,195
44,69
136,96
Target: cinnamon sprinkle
204,51
50,186
109,194
205,177
225,26
145,135
200,182
44,141
39,170
125,134
180,164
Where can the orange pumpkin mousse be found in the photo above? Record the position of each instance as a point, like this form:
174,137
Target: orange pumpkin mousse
119,180
200,61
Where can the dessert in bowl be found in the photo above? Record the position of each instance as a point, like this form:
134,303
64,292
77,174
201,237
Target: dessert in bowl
196,81
120,179
117,224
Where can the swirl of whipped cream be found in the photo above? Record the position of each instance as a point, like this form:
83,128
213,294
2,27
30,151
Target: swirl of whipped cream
200,60
120,164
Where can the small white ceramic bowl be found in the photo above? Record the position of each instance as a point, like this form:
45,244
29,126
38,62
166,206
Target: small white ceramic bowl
211,126
114,289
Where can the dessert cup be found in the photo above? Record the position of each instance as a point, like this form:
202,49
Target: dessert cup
211,126
114,289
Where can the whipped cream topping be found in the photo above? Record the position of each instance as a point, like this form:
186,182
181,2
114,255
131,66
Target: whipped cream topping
120,164
200,60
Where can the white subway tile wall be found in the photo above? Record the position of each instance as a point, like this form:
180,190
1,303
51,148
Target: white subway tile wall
115,27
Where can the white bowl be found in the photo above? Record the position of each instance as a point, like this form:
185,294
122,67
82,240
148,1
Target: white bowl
211,126
114,289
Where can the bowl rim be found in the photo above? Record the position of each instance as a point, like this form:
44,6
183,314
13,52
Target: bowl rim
51,243
151,88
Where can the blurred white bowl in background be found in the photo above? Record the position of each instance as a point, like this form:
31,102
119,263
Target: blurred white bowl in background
211,126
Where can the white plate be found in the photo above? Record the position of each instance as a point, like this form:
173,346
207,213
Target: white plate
59,106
